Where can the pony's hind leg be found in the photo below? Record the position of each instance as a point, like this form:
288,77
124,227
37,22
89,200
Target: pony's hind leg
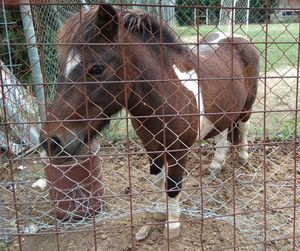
220,152
243,150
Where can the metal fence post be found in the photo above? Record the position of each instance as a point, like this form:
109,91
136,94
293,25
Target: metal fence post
84,5
33,55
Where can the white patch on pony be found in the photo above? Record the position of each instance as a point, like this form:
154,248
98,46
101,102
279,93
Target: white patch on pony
222,35
190,81
205,127
243,151
160,205
72,61
159,179
220,153
173,225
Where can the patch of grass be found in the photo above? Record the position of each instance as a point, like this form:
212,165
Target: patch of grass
288,130
116,131
278,48
282,47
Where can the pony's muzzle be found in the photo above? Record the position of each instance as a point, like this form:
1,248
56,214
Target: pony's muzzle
64,145
53,146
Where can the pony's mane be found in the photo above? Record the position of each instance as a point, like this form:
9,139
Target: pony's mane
149,29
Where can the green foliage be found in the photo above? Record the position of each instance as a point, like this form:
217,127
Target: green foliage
288,129
280,52
47,23
18,48
17,42
116,131
185,14
258,12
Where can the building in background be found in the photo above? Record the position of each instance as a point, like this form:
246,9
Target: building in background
287,11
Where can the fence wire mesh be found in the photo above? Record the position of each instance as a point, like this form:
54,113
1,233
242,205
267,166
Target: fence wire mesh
100,195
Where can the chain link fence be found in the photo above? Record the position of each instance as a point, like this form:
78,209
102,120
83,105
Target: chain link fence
246,206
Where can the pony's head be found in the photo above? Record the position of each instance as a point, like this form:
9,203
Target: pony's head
88,58
102,54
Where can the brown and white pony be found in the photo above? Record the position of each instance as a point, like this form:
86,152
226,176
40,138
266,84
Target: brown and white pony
113,59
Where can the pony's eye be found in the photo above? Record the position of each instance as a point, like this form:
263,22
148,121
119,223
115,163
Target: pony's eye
97,69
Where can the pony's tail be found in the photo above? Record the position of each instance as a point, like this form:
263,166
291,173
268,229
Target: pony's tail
250,57
249,54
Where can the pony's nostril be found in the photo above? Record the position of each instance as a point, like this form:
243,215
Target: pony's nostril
55,145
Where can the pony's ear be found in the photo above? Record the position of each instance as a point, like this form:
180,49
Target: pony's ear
107,21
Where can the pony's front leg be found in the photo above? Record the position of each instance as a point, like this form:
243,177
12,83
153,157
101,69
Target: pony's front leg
220,153
168,210
157,172
174,183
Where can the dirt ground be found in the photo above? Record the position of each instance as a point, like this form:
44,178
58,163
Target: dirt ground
255,193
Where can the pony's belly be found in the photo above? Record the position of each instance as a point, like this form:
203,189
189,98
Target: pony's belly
189,79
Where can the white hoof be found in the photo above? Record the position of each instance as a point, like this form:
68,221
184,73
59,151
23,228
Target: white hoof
174,230
160,211
215,167
244,156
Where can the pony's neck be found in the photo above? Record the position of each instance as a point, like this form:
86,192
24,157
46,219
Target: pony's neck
145,70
